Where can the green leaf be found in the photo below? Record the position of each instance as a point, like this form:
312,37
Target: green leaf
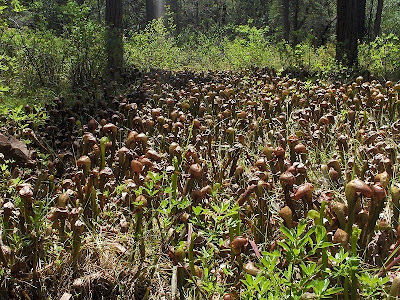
284,246
4,88
287,233
197,210
332,291
300,228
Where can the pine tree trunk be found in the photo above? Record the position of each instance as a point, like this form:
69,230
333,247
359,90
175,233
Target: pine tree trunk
149,11
360,10
349,30
296,22
286,21
378,17
114,46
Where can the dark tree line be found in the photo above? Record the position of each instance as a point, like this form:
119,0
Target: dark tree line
342,21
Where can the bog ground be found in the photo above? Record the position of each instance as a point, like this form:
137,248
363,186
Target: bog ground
213,185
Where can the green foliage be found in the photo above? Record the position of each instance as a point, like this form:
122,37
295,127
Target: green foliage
85,40
50,47
245,46
19,118
157,47
302,277
154,47
381,56
39,62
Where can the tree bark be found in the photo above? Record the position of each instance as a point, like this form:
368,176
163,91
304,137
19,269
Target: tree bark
369,30
296,26
360,10
114,46
149,11
349,30
286,21
378,18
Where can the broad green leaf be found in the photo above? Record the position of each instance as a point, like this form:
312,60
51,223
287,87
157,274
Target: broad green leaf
287,233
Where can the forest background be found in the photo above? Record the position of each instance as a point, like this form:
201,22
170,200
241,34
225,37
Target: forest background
52,47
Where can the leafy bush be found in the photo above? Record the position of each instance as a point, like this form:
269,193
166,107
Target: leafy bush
303,273
154,47
85,39
40,62
235,47
382,56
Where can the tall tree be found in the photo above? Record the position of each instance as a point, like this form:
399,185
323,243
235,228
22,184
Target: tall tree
155,9
360,18
295,20
286,21
114,46
349,30
378,18
149,11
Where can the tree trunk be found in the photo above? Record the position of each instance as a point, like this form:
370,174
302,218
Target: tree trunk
114,46
296,21
378,17
174,5
286,21
159,8
349,30
149,11
360,10
369,31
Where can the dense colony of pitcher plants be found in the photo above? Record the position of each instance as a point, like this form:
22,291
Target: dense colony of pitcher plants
228,164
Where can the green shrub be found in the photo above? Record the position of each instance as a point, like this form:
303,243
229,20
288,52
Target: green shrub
40,63
234,47
382,56
154,47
